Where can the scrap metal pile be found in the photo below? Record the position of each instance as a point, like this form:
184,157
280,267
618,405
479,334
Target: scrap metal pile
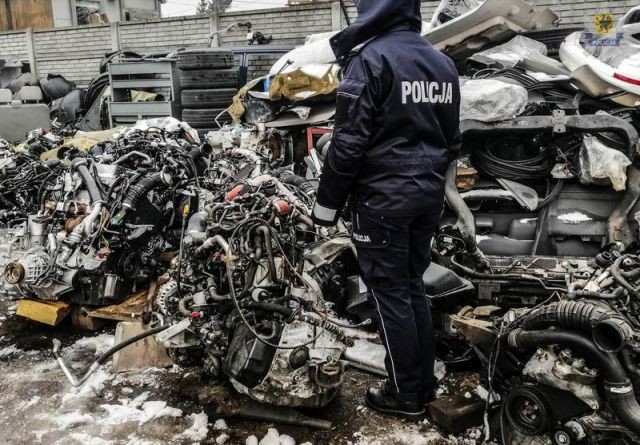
537,256
536,272
247,292
227,232
89,227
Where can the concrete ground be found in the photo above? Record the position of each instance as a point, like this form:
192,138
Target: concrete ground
159,406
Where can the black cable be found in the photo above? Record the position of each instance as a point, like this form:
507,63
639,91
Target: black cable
534,167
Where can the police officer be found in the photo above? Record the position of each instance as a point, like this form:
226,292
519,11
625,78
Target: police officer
396,132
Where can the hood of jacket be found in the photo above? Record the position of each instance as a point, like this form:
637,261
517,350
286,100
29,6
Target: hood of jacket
376,17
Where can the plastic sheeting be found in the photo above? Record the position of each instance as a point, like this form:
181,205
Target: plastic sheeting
318,52
490,100
602,165
514,51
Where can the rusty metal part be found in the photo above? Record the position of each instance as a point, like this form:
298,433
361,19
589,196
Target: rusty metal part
72,223
466,178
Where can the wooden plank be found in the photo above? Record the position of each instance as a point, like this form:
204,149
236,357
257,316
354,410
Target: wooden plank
47,312
80,318
145,354
457,412
130,309
36,14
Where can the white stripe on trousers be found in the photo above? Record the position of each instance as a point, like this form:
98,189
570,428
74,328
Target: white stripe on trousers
386,339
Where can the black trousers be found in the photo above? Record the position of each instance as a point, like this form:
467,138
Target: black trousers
393,254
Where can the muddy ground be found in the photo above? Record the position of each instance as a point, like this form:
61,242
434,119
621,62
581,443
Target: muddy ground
161,406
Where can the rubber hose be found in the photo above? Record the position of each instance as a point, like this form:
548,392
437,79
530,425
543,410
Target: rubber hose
80,164
268,307
266,233
616,294
142,187
6,215
616,273
286,177
609,329
619,391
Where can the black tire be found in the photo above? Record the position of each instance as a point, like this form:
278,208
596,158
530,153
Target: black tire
205,79
206,58
205,118
208,98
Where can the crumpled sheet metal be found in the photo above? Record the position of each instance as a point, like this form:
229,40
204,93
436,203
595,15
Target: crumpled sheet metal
490,100
600,164
237,109
293,85
306,82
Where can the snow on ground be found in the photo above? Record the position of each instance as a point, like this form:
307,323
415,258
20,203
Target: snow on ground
51,411
199,429
39,405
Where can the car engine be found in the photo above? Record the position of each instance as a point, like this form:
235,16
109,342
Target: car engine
254,291
90,227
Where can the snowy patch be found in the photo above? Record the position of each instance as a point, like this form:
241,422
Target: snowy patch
481,238
28,403
574,218
273,438
100,343
94,386
9,351
118,414
198,430
220,425
222,439
84,439
439,370
481,392
73,419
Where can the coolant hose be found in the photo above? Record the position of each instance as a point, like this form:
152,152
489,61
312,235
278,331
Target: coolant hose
8,215
614,295
610,331
80,164
144,186
196,229
466,222
618,389
266,234
210,243
616,273
287,177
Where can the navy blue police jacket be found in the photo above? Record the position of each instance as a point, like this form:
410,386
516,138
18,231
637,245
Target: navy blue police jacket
397,117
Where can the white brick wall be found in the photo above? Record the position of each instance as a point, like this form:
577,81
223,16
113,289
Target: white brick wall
166,34
287,26
13,45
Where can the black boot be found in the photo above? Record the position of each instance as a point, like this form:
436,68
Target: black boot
429,394
384,401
